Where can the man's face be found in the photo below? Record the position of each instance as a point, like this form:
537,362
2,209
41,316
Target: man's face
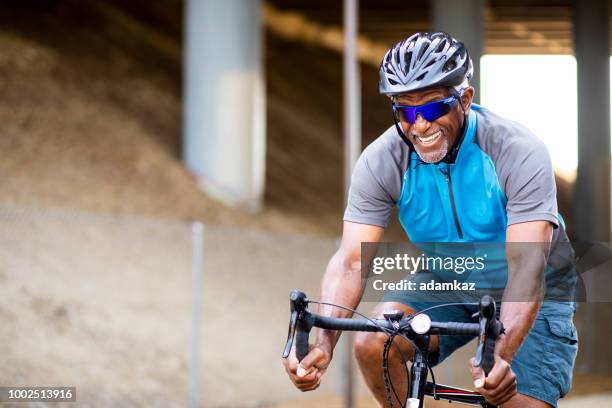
432,140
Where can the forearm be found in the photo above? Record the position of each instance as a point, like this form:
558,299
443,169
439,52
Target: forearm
342,285
523,295
518,318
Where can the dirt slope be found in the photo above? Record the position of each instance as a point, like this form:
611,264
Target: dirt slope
90,125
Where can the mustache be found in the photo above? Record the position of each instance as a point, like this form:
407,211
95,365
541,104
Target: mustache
414,134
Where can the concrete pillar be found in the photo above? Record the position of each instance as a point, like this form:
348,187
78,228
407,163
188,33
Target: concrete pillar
592,197
592,192
464,20
224,131
352,91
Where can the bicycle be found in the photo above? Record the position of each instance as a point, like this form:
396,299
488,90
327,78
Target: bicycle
415,328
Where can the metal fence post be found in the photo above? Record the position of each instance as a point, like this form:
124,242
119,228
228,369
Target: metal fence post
197,266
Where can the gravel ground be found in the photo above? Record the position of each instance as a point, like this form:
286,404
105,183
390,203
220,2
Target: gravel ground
104,303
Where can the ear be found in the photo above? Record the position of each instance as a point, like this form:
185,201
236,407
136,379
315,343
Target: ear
467,97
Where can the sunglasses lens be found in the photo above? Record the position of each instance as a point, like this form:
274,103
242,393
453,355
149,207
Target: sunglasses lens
406,114
433,111
430,111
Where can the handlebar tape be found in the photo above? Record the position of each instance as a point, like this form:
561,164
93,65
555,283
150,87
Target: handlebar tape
455,329
333,323
301,344
488,359
493,331
302,332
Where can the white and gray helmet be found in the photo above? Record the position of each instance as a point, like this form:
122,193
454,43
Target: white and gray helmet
425,60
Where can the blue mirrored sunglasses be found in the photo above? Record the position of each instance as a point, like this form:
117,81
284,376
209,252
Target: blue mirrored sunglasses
429,111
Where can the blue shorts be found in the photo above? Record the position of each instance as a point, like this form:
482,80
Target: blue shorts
543,364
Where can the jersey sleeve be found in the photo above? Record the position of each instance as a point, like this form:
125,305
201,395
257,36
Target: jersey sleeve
368,201
530,183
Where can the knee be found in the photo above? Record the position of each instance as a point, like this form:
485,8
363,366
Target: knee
368,347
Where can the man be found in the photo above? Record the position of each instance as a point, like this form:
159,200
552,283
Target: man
456,173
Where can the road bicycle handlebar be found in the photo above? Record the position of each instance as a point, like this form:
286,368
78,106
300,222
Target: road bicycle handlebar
414,327
377,325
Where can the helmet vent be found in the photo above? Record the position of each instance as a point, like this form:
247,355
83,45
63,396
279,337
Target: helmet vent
420,77
408,58
450,65
422,51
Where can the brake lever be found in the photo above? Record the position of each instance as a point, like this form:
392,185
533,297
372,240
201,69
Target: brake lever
290,334
298,323
481,342
490,329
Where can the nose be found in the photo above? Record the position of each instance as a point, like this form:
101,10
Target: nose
421,125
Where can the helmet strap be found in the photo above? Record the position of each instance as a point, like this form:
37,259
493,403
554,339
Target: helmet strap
400,132
451,155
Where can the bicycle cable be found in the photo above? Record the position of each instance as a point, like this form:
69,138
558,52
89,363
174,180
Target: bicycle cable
387,375
391,334
445,305
383,329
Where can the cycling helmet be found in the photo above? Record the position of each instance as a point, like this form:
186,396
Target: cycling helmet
425,60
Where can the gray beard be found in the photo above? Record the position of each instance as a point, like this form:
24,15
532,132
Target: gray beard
433,157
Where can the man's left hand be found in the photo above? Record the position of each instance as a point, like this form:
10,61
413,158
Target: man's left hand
499,386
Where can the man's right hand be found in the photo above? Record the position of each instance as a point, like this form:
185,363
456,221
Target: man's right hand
306,375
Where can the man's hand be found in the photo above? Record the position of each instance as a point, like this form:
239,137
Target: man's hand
499,386
306,375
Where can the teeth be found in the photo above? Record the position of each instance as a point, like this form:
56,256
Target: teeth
429,139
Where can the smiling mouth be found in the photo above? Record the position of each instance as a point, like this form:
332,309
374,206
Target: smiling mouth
429,140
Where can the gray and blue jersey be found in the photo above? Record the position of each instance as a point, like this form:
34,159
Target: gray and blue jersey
502,175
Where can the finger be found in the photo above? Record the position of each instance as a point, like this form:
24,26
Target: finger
513,391
290,368
302,372
505,385
290,363
307,379
477,375
503,394
310,387
497,374
310,360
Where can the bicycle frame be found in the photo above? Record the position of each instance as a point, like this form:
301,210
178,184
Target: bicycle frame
419,387
454,394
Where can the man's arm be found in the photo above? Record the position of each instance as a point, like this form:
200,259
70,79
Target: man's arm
342,284
527,247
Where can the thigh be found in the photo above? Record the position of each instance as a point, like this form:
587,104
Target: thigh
405,346
525,401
